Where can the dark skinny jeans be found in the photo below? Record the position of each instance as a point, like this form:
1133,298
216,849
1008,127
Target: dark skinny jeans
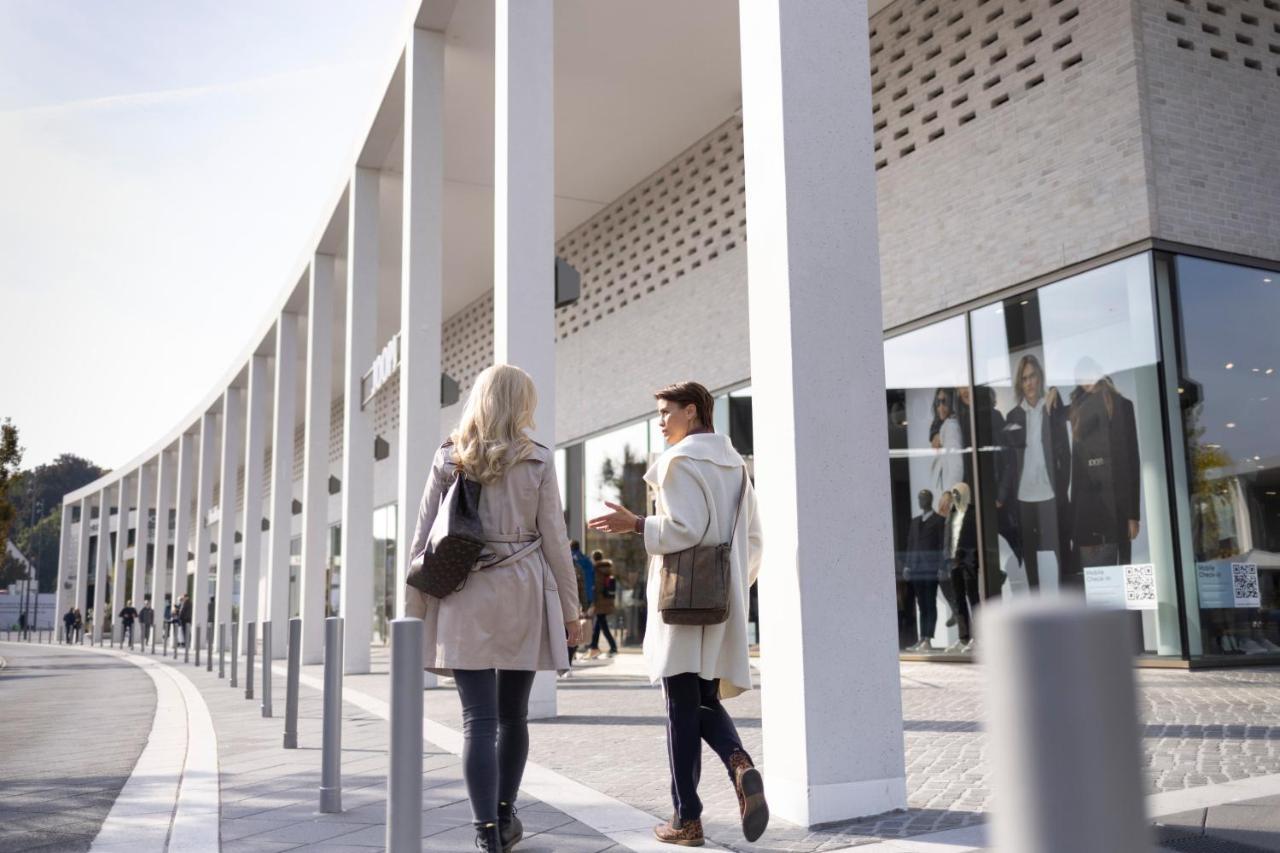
694,714
602,624
495,726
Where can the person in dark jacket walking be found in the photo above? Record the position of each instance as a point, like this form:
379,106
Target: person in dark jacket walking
184,617
605,602
147,617
127,614
69,624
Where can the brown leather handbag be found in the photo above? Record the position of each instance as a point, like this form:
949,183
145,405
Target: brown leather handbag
695,581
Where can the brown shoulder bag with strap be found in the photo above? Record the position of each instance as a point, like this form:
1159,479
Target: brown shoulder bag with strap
695,581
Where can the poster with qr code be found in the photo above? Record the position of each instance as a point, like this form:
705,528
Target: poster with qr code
1244,585
1123,587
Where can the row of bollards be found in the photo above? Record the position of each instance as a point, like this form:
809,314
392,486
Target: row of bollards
404,778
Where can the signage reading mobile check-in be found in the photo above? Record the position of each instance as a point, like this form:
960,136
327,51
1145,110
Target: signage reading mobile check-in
385,365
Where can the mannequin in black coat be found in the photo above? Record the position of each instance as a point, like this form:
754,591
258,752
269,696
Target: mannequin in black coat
922,562
1105,475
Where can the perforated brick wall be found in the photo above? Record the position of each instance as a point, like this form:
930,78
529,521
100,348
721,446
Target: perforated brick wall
937,65
1212,76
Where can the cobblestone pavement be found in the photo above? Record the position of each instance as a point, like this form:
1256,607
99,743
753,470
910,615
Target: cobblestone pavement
72,724
1199,728
270,795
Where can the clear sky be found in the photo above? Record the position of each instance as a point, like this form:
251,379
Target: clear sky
162,165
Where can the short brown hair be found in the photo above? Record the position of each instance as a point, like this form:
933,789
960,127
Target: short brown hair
690,394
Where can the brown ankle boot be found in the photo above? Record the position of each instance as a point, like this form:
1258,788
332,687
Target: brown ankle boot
685,833
749,785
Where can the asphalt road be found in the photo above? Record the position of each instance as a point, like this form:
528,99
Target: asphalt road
72,724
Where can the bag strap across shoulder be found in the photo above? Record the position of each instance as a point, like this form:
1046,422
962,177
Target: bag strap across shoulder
742,493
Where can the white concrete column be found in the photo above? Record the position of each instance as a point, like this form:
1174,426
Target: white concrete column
64,557
832,722
82,556
232,431
101,564
119,573
182,518
357,426
281,518
315,458
251,521
204,501
524,221
421,285
161,585
146,493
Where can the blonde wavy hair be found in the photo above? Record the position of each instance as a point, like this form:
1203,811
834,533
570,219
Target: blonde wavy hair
492,434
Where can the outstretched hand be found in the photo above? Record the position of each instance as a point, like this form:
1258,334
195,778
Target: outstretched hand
621,520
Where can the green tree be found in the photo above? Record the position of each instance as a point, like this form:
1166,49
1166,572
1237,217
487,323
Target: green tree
42,488
41,544
10,459
11,569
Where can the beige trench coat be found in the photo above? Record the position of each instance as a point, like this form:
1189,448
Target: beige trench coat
513,616
697,482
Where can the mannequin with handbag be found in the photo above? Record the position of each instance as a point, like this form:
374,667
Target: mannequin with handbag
491,578
704,541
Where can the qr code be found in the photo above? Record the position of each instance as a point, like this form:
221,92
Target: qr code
1244,581
1139,583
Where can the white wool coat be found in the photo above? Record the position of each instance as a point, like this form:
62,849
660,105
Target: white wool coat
696,480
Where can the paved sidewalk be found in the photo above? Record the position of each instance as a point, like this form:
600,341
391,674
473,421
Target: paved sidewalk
72,724
270,795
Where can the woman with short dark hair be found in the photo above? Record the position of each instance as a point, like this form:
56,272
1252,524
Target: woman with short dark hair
704,498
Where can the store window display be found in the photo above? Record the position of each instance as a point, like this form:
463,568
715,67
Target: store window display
1229,391
927,404
1073,484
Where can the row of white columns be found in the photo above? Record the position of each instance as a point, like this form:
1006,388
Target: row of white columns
832,722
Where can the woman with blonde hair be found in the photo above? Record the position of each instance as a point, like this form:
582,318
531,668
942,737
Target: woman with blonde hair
514,612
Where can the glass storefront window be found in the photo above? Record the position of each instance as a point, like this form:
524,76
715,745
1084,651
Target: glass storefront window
333,572
1072,478
927,384
384,570
614,464
1229,391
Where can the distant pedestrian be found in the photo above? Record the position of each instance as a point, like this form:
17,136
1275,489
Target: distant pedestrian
69,624
184,618
605,604
703,492
22,624
127,614
147,616
79,626
168,618
585,575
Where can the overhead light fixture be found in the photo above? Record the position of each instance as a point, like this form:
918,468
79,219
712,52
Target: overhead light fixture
1025,302
1231,424
1230,364
1256,369
1269,371
1182,390
1271,494
1266,281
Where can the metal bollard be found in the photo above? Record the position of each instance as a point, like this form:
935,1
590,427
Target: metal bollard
404,776
222,650
235,651
331,752
208,648
250,644
266,669
186,647
291,684
1066,755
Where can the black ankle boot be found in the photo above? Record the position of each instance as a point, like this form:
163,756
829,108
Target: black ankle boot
509,826
488,839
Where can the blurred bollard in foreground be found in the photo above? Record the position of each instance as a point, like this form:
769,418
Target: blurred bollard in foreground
1065,748
404,777
250,647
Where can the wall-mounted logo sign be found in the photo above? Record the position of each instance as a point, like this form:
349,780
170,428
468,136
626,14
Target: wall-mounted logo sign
385,365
